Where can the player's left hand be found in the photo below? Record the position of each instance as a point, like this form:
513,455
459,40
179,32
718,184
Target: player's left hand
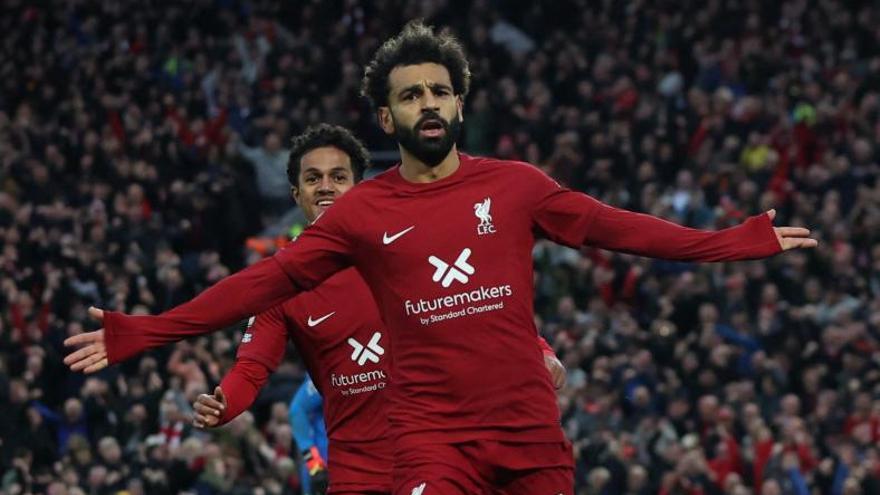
92,353
556,369
792,237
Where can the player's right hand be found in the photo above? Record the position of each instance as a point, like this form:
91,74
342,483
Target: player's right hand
556,369
92,353
209,409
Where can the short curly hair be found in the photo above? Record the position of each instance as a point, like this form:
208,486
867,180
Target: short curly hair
322,135
416,44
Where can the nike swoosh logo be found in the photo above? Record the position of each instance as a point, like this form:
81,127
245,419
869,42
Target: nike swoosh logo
388,239
312,322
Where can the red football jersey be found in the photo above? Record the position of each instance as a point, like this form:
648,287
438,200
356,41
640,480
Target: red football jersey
344,345
338,332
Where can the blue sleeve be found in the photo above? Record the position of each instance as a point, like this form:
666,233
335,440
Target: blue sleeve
321,435
732,335
302,416
314,406
840,475
45,412
798,482
313,403
304,479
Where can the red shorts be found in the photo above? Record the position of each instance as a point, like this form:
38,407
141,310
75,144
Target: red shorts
484,467
360,467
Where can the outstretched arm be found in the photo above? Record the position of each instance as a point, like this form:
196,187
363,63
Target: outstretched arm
576,219
315,256
636,233
123,336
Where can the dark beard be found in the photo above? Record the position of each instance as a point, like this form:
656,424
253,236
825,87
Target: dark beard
430,151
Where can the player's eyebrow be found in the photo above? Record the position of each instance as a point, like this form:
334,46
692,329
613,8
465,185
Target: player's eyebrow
435,86
414,88
315,170
418,88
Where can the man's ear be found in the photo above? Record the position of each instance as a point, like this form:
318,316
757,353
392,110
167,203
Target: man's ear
294,193
385,120
459,104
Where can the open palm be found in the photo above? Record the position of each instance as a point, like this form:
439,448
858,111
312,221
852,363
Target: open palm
792,237
91,355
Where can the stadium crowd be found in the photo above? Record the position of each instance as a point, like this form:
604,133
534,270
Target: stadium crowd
142,143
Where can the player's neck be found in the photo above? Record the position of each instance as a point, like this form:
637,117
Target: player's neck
414,170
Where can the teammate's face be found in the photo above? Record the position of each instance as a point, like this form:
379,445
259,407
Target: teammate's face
325,174
423,113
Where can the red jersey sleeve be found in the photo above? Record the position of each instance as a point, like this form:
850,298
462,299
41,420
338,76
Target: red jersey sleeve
241,385
561,215
265,340
321,250
545,347
245,293
317,254
575,219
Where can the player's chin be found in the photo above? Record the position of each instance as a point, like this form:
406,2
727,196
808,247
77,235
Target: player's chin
432,144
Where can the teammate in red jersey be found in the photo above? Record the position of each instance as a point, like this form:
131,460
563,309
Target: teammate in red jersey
444,243
335,327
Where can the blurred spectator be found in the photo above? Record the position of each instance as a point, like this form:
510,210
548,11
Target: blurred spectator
270,165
